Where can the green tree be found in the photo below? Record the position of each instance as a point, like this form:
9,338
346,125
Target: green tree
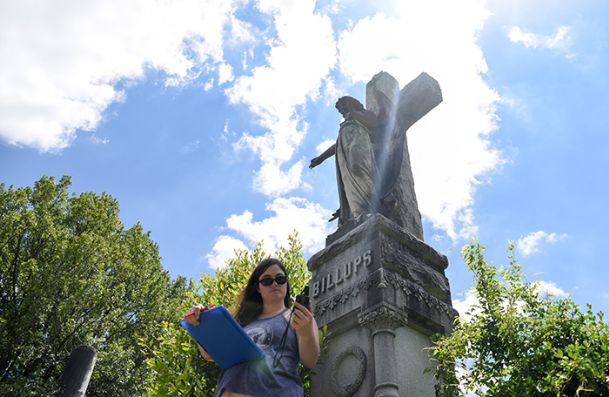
70,274
176,364
519,342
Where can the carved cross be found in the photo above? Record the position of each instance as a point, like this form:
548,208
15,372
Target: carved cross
414,101
417,98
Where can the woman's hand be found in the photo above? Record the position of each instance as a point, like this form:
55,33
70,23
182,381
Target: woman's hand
192,316
302,320
305,326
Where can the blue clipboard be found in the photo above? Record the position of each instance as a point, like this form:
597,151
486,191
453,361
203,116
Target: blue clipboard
223,338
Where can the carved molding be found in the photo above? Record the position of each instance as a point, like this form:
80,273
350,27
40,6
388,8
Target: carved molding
350,388
411,289
382,318
343,295
407,287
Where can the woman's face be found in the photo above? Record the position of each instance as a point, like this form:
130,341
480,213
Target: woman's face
274,292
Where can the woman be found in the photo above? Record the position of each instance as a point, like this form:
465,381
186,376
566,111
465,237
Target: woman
263,313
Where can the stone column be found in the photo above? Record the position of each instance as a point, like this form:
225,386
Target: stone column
383,321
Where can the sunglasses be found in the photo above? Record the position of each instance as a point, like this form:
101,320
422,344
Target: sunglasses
268,281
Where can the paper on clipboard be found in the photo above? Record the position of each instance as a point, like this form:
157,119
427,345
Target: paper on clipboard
223,338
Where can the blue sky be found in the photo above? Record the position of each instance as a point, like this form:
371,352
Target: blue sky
200,117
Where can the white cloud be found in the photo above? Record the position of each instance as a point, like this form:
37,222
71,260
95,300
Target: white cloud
463,306
331,93
324,145
468,307
301,55
99,141
208,85
288,214
66,58
529,244
240,32
223,249
225,73
559,40
272,180
550,288
450,149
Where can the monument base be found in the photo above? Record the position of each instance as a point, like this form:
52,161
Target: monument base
382,293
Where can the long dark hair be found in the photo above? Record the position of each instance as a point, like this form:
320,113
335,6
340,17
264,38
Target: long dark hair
250,302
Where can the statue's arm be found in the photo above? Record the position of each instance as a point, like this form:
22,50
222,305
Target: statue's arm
331,151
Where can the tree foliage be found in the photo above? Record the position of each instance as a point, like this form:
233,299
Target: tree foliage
176,364
71,274
519,342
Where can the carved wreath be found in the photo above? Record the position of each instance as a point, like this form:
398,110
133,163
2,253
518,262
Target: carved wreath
349,389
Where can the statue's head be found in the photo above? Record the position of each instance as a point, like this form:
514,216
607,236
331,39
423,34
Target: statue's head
348,104
382,93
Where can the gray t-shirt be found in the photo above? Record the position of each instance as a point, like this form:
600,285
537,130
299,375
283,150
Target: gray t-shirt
260,378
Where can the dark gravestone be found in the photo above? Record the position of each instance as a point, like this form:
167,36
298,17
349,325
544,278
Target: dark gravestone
378,287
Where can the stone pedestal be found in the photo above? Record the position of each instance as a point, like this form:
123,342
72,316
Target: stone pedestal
382,293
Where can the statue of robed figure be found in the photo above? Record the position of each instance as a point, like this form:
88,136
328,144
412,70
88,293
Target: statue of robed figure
372,162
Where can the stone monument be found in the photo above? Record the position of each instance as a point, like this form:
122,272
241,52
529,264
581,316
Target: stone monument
378,287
